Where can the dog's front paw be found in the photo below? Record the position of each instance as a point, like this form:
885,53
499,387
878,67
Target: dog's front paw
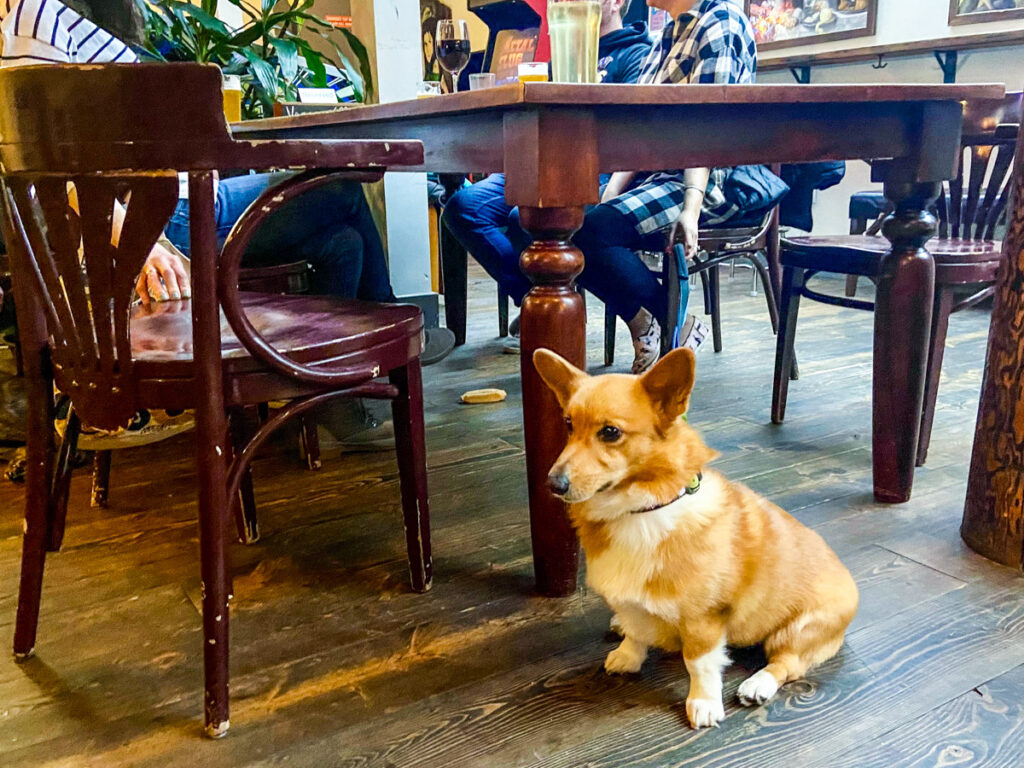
757,689
705,713
624,660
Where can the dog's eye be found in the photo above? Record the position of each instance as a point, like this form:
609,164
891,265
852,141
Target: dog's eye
568,424
609,434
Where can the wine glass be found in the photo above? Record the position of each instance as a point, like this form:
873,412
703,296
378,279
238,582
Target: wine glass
453,48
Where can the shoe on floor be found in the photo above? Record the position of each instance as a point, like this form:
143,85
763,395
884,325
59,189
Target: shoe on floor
511,345
693,333
438,343
646,348
357,425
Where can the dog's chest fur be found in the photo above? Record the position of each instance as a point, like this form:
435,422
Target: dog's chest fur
634,555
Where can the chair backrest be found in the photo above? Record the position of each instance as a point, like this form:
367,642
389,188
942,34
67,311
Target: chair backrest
974,201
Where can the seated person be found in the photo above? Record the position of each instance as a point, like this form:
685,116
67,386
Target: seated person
479,217
707,41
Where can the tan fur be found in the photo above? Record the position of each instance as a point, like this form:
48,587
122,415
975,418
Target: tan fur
721,566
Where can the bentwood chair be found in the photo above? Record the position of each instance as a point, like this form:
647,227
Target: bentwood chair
966,254
104,131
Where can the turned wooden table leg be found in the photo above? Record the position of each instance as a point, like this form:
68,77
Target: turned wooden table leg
903,308
993,523
552,316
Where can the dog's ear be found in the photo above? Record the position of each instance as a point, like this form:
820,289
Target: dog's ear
558,373
669,383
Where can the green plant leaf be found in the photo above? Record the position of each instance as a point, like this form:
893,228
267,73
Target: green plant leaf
314,63
287,57
201,17
365,69
264,72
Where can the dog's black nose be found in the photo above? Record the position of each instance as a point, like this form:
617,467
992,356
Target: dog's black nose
558,483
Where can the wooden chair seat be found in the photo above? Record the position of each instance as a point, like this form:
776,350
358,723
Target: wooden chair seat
308,329
957,260
317,330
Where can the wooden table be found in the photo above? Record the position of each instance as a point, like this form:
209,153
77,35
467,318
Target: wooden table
553,140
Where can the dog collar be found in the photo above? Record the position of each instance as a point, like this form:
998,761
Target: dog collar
689,490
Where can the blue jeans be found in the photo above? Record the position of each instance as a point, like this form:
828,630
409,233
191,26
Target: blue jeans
479,218
330,227
488,228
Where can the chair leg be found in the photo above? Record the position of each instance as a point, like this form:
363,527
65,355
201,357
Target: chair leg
40,454
792,284
100,479
502,313
769,290
851,285
407,411
941,310
857,227
310,443
610,320
454,263
715,293
61,488
706,290
244,507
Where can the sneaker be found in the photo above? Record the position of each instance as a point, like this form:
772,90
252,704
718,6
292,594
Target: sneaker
146,427
357,425
693,333
438,343
647,348
511,346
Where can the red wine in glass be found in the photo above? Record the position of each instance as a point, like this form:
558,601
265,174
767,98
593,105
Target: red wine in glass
453,48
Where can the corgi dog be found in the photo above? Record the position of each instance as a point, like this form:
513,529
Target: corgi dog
686,559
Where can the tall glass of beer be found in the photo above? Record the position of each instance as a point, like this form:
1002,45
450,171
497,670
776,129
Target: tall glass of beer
575,33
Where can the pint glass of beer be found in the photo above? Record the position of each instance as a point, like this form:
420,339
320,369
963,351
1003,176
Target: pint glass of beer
575,31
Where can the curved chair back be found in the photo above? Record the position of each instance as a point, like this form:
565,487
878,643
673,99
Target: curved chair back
975,200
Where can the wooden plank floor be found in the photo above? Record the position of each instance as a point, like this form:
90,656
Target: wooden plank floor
335,662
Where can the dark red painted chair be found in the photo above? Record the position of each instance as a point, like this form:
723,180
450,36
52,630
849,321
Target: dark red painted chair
105,130
966,254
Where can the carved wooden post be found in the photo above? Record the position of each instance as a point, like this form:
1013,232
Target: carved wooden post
552,317
903,312
993,523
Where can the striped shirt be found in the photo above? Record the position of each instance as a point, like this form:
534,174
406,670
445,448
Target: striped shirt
49,32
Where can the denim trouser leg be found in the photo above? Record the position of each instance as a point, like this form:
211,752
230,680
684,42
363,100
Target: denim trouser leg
613,272
478,216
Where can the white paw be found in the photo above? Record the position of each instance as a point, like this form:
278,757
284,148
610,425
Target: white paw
623,661
705,713
616,625
757,689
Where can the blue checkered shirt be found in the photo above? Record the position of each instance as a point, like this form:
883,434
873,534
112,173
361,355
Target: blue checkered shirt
711,43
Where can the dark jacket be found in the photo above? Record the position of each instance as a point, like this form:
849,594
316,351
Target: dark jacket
621,53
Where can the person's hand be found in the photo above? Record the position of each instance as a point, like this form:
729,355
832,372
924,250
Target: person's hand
686,230
616,185
163,277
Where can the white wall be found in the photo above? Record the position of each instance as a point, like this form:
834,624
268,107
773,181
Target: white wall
901,21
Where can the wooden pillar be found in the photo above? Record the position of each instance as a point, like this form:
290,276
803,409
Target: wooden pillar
993,523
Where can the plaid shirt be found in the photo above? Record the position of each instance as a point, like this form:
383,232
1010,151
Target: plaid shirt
712,43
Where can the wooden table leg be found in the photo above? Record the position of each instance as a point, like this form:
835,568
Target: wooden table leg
552,316
993,523
903,308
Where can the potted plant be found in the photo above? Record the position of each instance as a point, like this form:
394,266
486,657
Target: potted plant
269,52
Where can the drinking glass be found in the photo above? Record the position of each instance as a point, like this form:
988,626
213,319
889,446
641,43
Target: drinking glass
575,28
453,48
233,98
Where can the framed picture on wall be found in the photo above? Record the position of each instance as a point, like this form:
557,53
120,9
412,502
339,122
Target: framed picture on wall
784,23
974,11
